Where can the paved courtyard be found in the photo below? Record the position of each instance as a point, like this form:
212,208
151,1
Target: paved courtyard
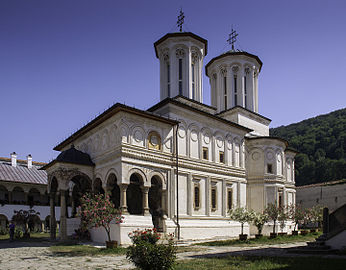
38,256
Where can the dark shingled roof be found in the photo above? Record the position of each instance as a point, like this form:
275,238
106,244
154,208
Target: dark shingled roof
22,174
74,156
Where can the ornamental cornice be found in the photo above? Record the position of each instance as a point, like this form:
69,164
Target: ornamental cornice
169,159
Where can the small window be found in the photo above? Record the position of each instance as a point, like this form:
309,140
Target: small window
213,198
281,199
196,197
168,80
336,199
229,198
317,200
235,90
269,168
180,76
221,157
205,153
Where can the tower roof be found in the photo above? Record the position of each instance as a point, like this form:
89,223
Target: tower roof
181,34
235,53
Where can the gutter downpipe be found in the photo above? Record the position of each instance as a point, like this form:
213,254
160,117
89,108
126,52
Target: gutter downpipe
177,177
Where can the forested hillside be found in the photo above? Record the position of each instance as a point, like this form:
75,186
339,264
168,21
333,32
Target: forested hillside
321,142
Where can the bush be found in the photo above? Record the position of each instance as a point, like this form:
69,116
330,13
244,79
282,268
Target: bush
3,231
147,254
18,233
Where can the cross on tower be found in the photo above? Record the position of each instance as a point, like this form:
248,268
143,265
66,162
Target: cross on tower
232,38
181,20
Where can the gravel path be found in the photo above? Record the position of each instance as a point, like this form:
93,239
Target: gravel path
37,256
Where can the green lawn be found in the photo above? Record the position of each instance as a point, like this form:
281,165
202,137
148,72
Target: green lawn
83,250
264,240
261,263
33,236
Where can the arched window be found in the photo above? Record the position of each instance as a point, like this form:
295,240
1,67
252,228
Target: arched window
168,68
154,141
180,55
196,201
213,198
229,198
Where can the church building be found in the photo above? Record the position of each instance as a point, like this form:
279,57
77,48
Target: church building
180,165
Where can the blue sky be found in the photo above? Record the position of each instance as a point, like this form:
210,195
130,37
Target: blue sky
63,62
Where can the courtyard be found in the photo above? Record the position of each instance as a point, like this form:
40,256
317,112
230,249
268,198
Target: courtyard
44,254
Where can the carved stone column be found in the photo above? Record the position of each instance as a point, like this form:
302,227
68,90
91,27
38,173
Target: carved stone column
123,203
52,220
63,228
145,191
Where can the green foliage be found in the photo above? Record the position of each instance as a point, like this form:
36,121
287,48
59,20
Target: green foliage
99,211
147,254
3,231
18,233
259,219
242,215
321,142
273,212
297,214
25,217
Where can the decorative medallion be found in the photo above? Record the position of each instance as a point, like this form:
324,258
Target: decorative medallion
194,57
256,156
180,53
194,135
219,142
181,132
138,136
235,69
206,138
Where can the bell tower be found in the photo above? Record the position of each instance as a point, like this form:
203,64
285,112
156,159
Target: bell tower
233,79
181,57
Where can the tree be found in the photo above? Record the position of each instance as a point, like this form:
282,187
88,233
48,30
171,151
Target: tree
316,214
297,214
272,210
259,219
242,215
24,218
99,211
283,216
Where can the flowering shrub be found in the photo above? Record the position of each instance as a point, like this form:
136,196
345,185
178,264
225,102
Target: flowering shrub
147,254
148,235
241,215
259,219
99,211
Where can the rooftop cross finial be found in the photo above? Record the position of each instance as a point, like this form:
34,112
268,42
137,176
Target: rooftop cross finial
232,38
181,20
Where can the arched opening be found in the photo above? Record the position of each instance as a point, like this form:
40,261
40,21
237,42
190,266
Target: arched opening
155,202
98,186
113,189
134,195
3,222
18,196
34,197
78,186
4,198
35,224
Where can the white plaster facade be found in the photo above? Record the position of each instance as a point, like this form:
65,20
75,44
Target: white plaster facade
223,159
